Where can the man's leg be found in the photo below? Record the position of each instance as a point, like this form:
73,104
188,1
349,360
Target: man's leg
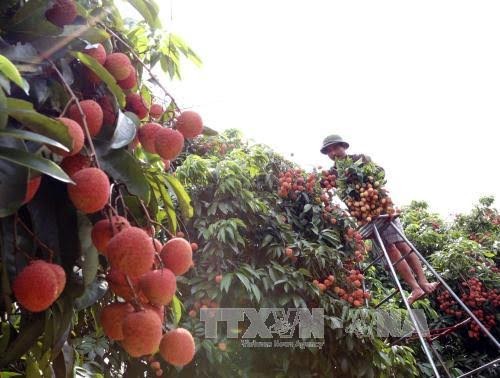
416,266
405,272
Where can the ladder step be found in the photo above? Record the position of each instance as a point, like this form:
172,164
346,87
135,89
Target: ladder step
497,361
402,258
387,298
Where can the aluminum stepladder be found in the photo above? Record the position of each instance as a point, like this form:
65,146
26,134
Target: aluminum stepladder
371,231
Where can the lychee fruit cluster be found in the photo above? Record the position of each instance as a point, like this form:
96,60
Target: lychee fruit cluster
39,285
144,288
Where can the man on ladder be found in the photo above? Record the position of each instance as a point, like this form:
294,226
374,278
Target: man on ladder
410,268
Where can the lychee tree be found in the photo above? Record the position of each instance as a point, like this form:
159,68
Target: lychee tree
88,212
268,236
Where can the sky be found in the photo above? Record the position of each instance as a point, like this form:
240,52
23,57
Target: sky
414,85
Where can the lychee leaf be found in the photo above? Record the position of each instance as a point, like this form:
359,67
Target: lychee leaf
182,196
125,131
176,308
13,179
35,162
90,255
3,109
103,74
23,112
122,166
10,71
28,135
149,10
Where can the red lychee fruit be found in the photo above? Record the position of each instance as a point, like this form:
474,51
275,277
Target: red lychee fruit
156,111
91,77
59,273
194,247
177,347
102,232
37,286
75,163
91,192
177,255
157,245
108,111
75,133
131,251
97,52
93,115
119,285
137,105
118,65
159,310
158,286
63,12
218,278
112,317
130,81
142,333
189,123
32,188
169,143
147,136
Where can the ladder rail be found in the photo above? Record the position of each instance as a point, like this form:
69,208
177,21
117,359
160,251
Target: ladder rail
425,347
448,288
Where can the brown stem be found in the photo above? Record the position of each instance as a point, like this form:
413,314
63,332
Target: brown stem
67,106
35,238
136,303
80,110
137,57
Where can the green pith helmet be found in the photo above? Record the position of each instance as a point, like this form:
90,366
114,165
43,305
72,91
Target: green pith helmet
333,139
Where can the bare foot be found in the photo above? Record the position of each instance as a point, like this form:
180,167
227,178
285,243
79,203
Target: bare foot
429,287
415,294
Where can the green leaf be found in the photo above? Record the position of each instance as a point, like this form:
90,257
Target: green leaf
103,74
226,282
125,131
168,205
23,342
245,281
24,113
149,10
90,255
176,308
28,135
29,160
182,196
93,293
30,21
3,110
11,72
125,168
5,338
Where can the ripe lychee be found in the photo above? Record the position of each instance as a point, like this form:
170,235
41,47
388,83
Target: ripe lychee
130,81
60,277
218,278
159,310
102,232
190,124
32,188
131,251
75,133
75,163
156,111
137,105
169,143
158,286
118,284
157,245
118,65
93,115
112,317
97,52
108,111
194,247
177,255
147,136
91,192
63,12
36,287
177,347
142,333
